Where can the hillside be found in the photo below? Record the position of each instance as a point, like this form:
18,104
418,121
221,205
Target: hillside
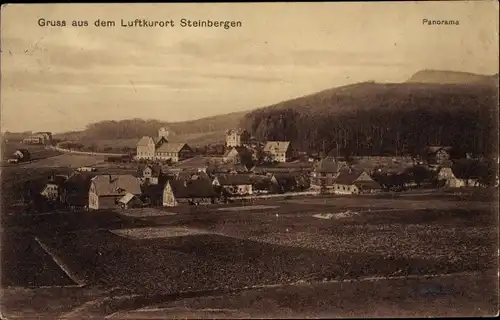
375,118
449,77
432,107
136,128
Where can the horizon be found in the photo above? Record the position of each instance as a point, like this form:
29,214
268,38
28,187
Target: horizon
79,76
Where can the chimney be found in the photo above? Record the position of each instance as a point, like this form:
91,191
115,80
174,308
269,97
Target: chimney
110,178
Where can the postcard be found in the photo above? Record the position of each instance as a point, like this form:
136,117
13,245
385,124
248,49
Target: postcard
249,160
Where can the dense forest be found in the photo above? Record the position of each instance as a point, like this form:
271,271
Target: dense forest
385,119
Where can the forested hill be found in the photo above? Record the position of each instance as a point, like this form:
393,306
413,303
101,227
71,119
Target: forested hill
136,128
374,118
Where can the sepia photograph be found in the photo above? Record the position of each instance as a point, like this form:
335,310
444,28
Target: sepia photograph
249,160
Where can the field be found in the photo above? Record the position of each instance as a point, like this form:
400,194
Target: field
417,253
65,161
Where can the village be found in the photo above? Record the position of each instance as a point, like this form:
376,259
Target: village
168,174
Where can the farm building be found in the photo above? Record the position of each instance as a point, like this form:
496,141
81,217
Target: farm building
237,137
325,172
159,148
149,174
279,151
199,191
354,181
234,184
106,190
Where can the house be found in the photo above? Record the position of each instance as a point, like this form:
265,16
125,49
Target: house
234,184
278,151
22,155
74,192
130,200
149,174
237,137
152,194
146,148
106,190
354,181
458,177
52,188
199,191
325,172
437,155
159,148
290,182
237,155
174,151
264,184
38,138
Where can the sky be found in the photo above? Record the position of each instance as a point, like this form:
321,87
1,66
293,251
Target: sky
62,78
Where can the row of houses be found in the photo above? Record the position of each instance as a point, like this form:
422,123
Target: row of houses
44,138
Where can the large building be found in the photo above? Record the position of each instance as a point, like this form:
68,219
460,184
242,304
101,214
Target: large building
278,151
39,138
159,148
237,137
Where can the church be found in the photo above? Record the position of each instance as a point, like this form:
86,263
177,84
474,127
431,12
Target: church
159,148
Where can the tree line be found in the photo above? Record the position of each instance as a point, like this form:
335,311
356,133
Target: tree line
405,123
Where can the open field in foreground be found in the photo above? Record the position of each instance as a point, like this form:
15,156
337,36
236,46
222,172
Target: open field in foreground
275,260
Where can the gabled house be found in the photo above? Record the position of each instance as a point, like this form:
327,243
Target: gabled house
159,148
174,151
192,175
278,151
354,181
52,189
199,191
290,182
456,177
325,172
149,174
234,184
74,192
237,155
146,148
237,137
106,191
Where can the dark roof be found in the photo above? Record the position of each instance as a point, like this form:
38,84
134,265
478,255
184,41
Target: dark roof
348,176
199,188
155,170
242,151
366,185
467,169
234,179
192,175
107,185
228,168
152,190
329,165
